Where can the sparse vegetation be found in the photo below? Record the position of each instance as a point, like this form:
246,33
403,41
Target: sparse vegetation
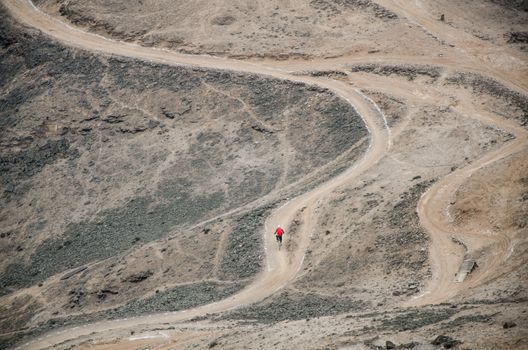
140,187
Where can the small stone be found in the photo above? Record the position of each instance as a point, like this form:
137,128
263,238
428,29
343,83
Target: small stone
85,131
139,277
446,342
114,119
509,324
152,124
440,340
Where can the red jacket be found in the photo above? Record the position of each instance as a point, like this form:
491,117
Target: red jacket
279,231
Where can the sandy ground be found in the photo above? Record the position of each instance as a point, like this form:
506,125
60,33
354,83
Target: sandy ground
427,124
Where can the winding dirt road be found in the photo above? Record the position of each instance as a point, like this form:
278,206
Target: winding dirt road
281,267
445,254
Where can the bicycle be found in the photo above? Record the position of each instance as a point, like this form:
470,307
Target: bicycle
279,241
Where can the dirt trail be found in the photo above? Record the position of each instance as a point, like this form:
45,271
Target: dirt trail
281,268
471,52
445,254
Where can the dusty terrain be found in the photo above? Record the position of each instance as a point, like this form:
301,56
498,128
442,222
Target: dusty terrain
141,187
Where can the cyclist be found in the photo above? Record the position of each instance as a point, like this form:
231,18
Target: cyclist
278,234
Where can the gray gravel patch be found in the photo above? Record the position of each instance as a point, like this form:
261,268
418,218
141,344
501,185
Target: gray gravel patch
174,299
114,232
414,319
489,86
519,5
402,250
411,72
294,306
336,6
178,298
243,257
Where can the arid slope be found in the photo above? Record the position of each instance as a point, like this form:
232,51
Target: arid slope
151,183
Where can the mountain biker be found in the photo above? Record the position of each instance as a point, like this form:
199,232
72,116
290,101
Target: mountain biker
278,234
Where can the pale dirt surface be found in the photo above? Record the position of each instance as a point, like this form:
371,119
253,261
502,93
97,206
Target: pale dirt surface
279,29
443,178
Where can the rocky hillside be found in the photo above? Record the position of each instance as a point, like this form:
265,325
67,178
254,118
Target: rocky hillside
102,155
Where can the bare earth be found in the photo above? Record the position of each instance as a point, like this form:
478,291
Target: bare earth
165,140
